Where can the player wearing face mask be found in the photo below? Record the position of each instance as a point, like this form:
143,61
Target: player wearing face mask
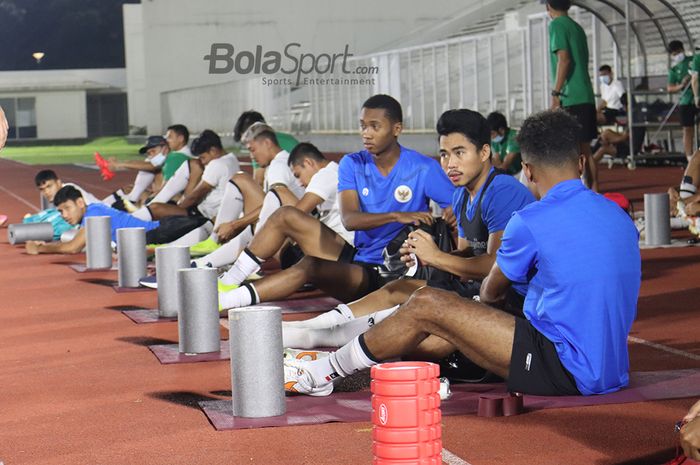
679,78
611,92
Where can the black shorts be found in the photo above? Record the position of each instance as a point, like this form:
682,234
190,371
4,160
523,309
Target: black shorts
173,227
585,114
688,113
378,274
467,289
611,115
535,367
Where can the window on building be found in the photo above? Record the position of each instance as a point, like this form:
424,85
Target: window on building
21,117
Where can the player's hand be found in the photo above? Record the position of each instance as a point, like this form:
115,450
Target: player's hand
414,218
693,412
32,247
407,256
690,439
423,246
556,103
449,217
227,231
112,164
4,127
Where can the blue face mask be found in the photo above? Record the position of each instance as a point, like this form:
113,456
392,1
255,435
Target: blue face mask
605,80
497,140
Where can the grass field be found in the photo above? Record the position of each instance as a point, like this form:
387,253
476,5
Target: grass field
59,154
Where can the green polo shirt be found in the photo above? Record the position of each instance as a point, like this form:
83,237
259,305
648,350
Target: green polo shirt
676,75
509,144
172,163
566,34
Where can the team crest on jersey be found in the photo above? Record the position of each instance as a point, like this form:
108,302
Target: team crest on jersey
403,194
365,192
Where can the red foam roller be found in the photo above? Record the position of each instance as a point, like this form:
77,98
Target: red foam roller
404,412
406,435
436,460
405,371
405,388
414,451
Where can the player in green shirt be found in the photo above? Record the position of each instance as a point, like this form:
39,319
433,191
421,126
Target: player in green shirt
504,145
572,89
286,141
177,136
679,82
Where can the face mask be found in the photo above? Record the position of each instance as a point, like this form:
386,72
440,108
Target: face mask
497,140
605,80
677,59
157,160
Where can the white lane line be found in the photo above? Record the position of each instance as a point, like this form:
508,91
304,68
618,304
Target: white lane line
668,349
15,196
451,459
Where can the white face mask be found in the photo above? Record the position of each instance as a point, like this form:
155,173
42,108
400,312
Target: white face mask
677,59
497,139
605,80
157,160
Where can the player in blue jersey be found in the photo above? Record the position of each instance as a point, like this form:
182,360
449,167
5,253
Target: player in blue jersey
380,189
583,273
74,209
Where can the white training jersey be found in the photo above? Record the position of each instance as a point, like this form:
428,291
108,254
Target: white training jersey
278,172
217,173
325,185
88,197
612,94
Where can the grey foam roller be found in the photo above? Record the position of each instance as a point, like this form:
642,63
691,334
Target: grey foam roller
657,223
98,242
168,261
44,204
257,372
198,321
21,233
131,253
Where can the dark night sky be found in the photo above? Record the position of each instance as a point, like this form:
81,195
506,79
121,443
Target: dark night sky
72,33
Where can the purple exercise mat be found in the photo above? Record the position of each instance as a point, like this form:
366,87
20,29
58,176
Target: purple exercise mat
315,305
170,353
356,406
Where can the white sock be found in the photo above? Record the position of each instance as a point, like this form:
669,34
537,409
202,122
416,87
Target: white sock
230,208
346,361
227,253
339,315
336,336
174,185
143,180
687,188
271,203
143,213
245,265
241,297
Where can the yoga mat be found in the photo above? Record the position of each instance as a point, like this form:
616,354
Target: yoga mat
315,305
169,354
356,406
120,290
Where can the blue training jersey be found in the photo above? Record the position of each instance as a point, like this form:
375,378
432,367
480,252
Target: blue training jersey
119,219
409,187
503,197
579,252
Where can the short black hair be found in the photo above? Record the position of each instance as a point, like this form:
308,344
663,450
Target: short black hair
469,123
65,194
304,150
245,121
180,129
550,138
497,121
675,46
389,104
43,176
206,140
559,5
605,68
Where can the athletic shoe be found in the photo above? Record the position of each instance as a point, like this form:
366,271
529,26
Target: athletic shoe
128,205
149,282
292,356
297,380
198,264
205,247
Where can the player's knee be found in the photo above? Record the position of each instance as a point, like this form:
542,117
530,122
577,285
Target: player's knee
422,303
287,215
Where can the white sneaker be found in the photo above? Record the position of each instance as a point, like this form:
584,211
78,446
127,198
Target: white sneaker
293,356
298,380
